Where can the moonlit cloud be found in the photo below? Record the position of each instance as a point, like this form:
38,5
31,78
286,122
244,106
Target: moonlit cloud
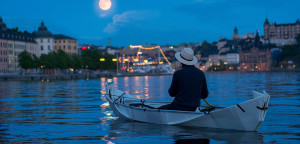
128,17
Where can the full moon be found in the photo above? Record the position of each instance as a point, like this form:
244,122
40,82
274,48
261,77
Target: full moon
105,4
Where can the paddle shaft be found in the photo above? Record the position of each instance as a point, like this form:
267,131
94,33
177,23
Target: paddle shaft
206,102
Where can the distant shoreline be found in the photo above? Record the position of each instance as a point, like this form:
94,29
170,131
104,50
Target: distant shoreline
67,77
95,76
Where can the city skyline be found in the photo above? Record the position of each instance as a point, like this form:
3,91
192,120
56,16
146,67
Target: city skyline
138,22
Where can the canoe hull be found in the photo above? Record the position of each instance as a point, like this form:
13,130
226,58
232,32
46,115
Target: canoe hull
245,116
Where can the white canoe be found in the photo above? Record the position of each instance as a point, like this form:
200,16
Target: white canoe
246,116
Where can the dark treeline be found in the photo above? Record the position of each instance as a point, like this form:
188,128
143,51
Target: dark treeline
291,53
89,59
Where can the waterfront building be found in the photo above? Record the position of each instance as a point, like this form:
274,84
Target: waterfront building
216,58
12,43
281,34
254,56
232,57
66,43
222,42
44,39
3,55
113,51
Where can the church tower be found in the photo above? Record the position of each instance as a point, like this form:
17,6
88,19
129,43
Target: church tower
235,35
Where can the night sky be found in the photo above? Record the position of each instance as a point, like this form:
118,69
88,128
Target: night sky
147,21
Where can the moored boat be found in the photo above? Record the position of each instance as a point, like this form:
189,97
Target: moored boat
246,116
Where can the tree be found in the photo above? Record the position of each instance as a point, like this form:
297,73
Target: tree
206,49
25,60
108,63
298,39
91,59
16,29
63,60
76,62
48,60
36,62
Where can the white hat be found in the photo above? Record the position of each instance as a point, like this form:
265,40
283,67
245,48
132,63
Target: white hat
186,56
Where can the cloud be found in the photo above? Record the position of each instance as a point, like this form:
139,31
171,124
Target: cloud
129,17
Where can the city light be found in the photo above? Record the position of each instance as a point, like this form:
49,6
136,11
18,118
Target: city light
135,46
145,61
102,59
136,60
125,59
114,59
161,62
140,53
225,63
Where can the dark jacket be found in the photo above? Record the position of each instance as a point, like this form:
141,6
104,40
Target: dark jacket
188,87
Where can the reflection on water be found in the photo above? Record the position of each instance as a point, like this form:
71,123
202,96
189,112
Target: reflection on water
77,111
123,129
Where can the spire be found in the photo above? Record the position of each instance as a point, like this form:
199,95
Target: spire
298,21
43,31
42,27
235,30
267,21
109,42
257,39
1,20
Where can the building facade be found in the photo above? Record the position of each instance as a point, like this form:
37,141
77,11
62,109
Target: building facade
65,43
216,59
232,58
281,34
44,39
3,56
255,59
12,43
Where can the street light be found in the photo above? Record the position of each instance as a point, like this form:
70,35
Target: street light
102,59
114,59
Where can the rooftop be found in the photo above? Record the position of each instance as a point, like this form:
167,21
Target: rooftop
42,32
16,36
60,36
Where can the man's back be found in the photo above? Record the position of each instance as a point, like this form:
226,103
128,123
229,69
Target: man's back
188,87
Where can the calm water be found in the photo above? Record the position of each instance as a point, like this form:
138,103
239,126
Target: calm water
76,111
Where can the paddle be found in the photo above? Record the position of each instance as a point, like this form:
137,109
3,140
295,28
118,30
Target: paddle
207,102
211,105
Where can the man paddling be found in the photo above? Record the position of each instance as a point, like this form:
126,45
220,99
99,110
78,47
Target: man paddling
188,84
